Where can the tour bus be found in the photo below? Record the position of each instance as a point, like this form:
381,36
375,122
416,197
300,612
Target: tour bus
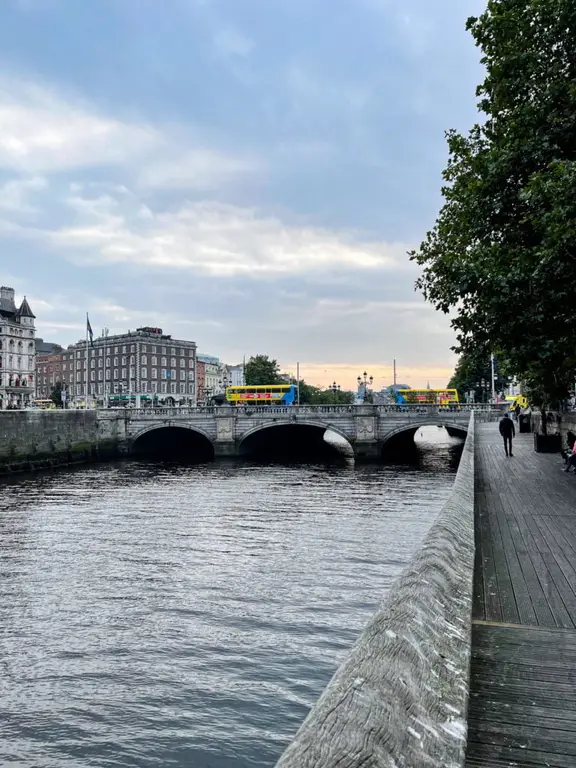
428,396
45,404
513,400
266,394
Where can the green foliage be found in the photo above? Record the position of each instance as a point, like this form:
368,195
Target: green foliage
56,394
261,370
502,254
310,395
471,369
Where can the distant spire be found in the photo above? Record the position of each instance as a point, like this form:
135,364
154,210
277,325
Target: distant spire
428,385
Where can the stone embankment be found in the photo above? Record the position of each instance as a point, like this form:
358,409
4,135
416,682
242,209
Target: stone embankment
400,698
38,439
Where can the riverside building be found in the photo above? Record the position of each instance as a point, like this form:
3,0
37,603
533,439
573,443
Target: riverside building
17,351
142,366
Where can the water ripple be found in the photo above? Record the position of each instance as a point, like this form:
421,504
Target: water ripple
172,616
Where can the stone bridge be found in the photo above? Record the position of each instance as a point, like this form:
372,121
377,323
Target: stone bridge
230,431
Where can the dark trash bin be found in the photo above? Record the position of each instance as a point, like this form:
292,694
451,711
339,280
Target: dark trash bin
524,421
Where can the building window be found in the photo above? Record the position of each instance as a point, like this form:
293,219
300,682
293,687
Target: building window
183,375
100,362
99,375
191,364
100,352
123,373
124,350
92,363
143,348
163,362
172,361
144,386
123,361
108,374
115,373
144,360
162,386
92,389
132,348
173,388
132,373
172,350
77,365
132,360
107,362
163,373
182,389
107,388
92,375
191,388
154,361
154,373
153,348
182,362
63,366
144,373
154,386
115,361
173,374
163,350
115,389
100,390
115,350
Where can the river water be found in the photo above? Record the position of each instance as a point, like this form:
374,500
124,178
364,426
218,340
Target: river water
155,615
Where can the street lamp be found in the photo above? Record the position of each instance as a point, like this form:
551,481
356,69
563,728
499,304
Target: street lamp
334,388
363,381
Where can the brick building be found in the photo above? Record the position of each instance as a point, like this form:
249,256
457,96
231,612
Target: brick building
145,362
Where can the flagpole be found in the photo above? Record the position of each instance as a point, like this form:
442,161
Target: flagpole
86,363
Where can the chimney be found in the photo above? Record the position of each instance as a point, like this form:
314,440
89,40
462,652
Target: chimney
7,298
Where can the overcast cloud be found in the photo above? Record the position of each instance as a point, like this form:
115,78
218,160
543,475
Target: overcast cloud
245,173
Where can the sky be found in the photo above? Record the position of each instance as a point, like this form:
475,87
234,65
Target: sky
248,174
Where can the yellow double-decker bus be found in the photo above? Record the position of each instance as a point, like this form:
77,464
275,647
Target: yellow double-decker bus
267,394
428,396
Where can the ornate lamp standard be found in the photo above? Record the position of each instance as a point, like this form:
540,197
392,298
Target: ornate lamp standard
334,388
363,382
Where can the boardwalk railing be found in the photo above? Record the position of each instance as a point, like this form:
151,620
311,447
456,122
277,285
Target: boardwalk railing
400,698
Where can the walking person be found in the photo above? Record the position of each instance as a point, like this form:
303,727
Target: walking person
507,431
517,412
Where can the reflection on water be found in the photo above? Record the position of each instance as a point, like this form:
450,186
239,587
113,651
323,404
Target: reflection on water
158,615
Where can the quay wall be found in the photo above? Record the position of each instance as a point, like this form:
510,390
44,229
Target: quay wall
38,439
400,698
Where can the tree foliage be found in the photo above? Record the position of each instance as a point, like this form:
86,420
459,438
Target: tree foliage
502,254
260,370
56,394
311,395
471,370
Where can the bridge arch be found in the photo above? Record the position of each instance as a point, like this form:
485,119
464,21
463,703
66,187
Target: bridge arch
172,441
415,426
306,438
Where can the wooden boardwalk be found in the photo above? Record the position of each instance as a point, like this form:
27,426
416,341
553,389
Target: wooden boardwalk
523,687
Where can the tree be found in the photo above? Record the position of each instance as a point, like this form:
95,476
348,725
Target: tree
502,254
56,394
311,395
470,373
261,370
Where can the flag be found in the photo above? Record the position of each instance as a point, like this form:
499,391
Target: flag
89,330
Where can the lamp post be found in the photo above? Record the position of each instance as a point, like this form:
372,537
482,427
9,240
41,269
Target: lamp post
334,388
363,382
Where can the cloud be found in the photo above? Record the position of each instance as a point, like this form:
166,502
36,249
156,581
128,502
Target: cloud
211,238
15,194
42,132
230,42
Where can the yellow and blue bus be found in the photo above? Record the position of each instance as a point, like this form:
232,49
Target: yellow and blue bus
266,394
427,396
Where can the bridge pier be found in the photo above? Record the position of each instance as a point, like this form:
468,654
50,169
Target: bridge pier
366,450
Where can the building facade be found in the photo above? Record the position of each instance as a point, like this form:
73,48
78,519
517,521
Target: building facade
145,365
212,376
17,351
235,375
48,372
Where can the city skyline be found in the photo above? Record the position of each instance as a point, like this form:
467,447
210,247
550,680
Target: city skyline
252,185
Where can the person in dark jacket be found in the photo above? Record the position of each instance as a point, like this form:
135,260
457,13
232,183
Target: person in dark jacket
508,432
